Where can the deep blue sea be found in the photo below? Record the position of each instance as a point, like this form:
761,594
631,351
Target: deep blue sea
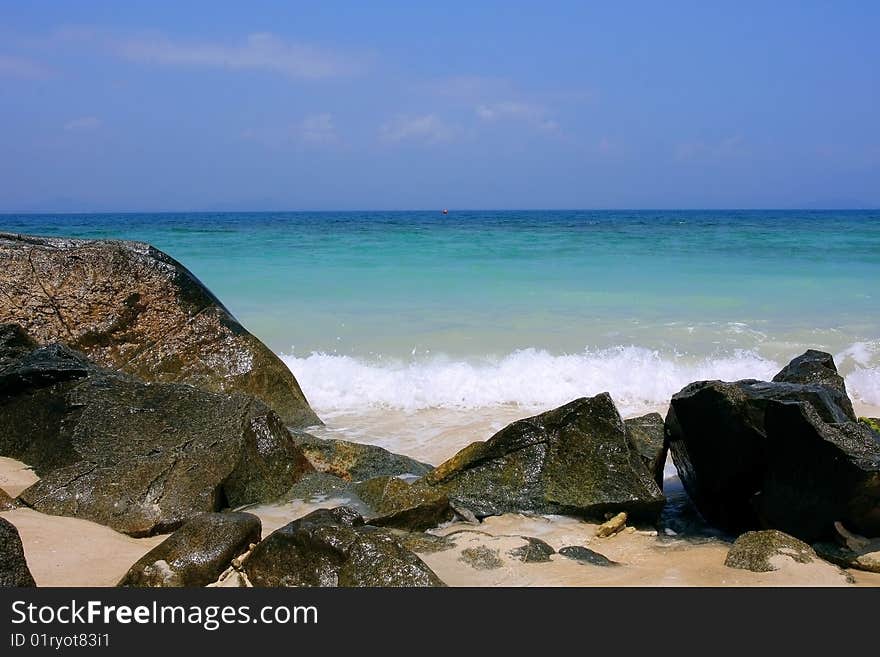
417,310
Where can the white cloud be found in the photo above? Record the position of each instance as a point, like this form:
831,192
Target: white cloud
83,123
428,128
18,67
258,52
511,110
318,129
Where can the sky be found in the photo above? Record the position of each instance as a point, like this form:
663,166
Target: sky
170,106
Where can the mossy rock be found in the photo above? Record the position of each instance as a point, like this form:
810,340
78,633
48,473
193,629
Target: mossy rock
576,459
760,551
534,551
396,503
356,461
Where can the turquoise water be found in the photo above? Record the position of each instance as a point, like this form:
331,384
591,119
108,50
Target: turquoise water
417,309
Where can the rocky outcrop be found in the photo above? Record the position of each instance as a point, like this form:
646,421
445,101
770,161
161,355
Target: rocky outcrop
137,457
765,551
333,547
396,503
576,459
646,433
132,308
786,454
14,571
356,461
197,553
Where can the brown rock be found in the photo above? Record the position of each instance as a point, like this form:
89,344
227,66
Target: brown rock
131,307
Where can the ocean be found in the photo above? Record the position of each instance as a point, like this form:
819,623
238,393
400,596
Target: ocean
424,331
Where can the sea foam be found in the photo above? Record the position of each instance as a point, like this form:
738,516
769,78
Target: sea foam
637,378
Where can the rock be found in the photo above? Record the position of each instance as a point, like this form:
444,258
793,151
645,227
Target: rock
130,307
585,555
481,558
765,551
612,525
402,505
646,433
6,502
333,547
197,553
817,367
534,551
14,571
356,461
817,473
868,560
726,455
140,458
319,486
575,459
873,423
422,542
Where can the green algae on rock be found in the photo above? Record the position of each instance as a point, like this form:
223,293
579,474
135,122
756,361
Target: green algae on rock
759,551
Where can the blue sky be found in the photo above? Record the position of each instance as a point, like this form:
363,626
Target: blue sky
277,105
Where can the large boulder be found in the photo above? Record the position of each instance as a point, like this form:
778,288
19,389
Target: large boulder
141,458
333,547
786,454
14,570
356,461
576,459
131,307
197,553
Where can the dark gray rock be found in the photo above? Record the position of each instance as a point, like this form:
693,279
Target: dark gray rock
646,433
333,547
756,551
817,368
132,308
141,458
197,553
735,469
575,459
585,555
356,461
14,571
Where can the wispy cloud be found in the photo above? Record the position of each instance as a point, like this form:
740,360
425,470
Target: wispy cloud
83,123
258,52
428,128
318,129
512,110
19,67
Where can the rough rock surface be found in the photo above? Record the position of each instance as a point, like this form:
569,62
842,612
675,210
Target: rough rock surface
534,551
356,461
130,307
786,454
481,558
575,459
13,565
6,502
646,433
585,555
763,551
197,553
404,506
137,457
864,559
333,547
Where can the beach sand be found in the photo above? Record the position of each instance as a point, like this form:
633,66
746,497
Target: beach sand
65,551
